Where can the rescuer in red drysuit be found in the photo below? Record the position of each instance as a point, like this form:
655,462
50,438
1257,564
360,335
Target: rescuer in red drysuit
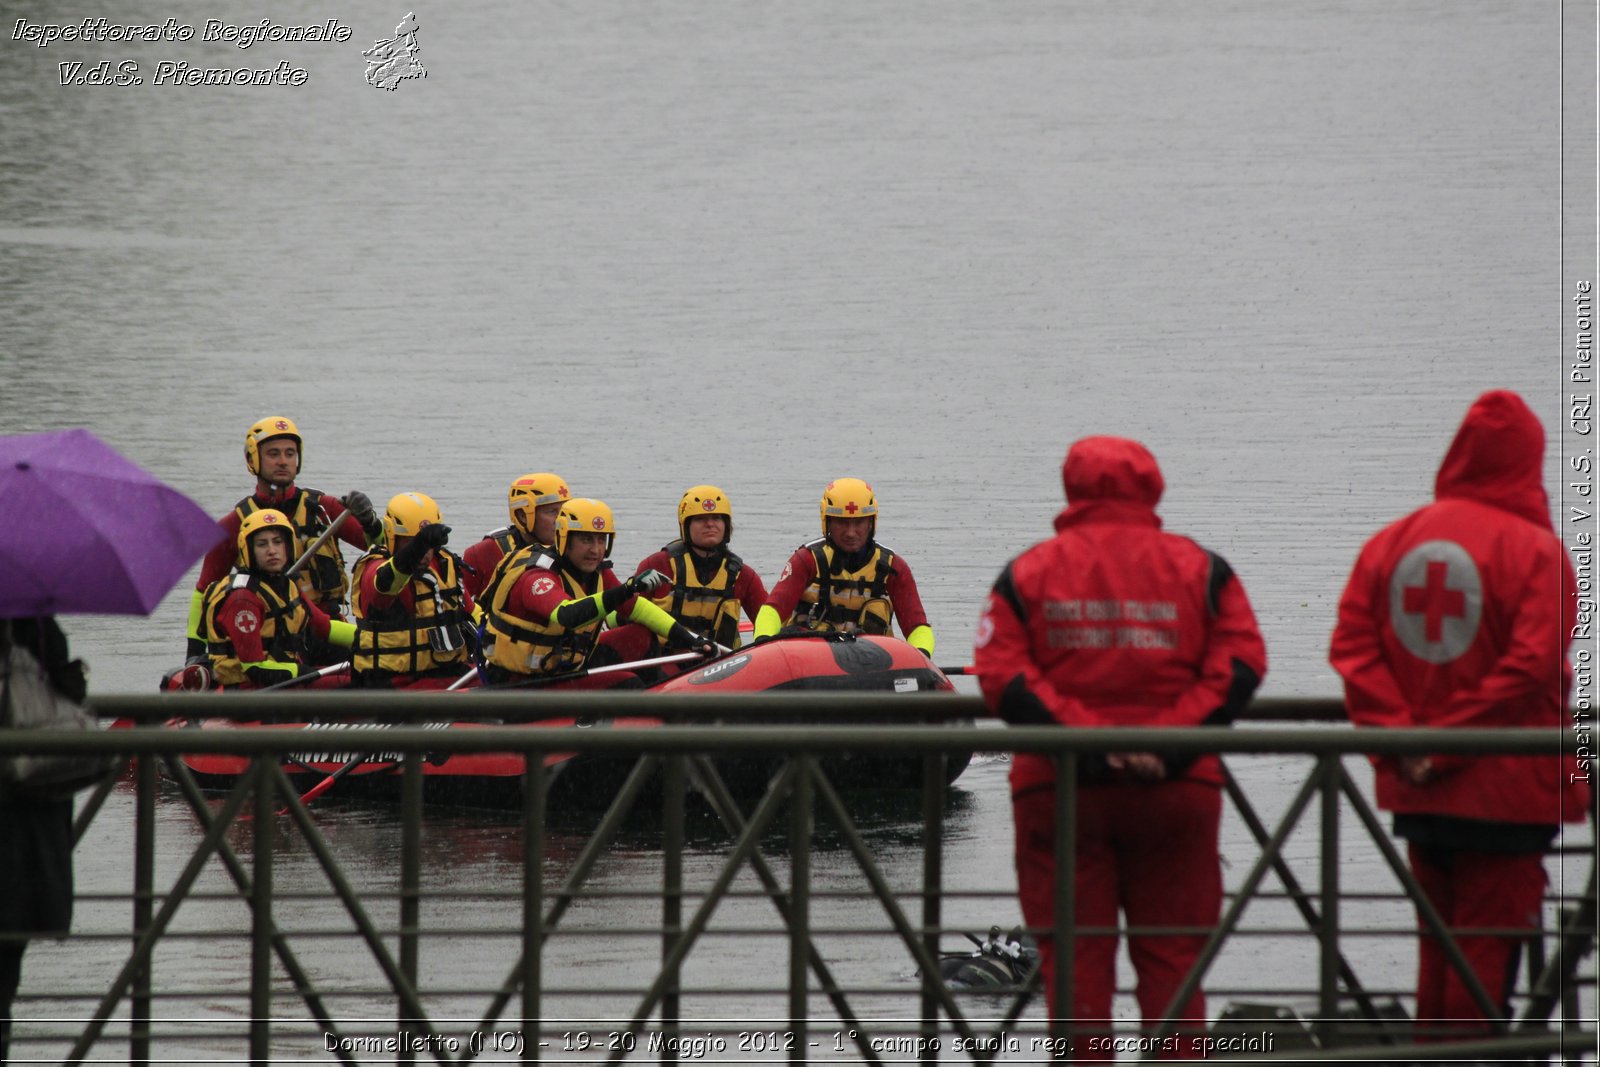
1114,622
1460,614
273,452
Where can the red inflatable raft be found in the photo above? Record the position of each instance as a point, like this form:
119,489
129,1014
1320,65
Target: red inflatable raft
798,662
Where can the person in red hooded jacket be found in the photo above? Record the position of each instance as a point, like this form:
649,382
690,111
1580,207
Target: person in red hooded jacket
1460,614
1114,622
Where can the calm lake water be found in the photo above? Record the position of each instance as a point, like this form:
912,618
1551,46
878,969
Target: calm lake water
928,244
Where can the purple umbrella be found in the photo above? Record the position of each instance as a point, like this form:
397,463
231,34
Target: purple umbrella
83,530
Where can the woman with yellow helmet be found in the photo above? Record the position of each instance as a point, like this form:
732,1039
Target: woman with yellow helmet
845,579
256,624
545,609
272,452
413,626
710,584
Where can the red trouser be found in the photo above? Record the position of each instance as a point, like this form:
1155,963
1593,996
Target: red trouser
1150,850
1473,889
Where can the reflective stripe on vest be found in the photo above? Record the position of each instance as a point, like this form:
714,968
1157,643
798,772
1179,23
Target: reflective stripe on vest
395,640
524,646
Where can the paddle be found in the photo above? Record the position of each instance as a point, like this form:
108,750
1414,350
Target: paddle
475,652
327,783
545,679
322,539
301,679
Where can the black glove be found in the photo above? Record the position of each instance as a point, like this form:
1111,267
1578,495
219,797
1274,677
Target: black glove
360,505
680,636
433,535
647,582
408,559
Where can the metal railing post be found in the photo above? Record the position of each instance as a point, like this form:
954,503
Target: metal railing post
410,888
144,872
800,827
932,892
674,784
1329,771
533,818
261,931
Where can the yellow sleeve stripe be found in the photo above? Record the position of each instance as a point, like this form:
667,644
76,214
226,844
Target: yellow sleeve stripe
767,622
921,638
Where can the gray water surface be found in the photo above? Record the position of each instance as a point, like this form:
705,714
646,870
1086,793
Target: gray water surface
928,244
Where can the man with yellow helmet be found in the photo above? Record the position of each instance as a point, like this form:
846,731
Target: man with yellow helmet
256,624
845,579
545,607
272,452
534,501
710,584
413,614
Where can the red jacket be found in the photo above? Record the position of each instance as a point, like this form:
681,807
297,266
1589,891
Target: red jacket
1113,622
480,560
240,619
1460,615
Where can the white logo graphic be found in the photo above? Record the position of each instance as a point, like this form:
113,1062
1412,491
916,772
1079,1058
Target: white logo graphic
541,586
1436,601
393,61
726,665
245,622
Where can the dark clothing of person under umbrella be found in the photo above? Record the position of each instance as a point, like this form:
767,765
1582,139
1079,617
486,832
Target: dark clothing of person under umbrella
35,833
84,531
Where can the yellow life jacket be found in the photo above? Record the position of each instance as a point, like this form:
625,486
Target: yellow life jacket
511,541
526,646
323,580
282,628
846,600
708,608
509,538
426,639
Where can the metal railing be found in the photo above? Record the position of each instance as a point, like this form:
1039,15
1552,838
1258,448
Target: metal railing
300,1001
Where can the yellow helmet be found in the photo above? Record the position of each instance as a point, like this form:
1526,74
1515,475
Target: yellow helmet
849,498
265,430
533,491
407,514
582,515
704,500
266,519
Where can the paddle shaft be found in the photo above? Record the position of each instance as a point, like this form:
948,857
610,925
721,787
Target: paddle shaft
322,539
303,678
678,657
327,783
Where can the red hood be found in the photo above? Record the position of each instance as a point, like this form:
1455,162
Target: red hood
1497,458
1110,477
